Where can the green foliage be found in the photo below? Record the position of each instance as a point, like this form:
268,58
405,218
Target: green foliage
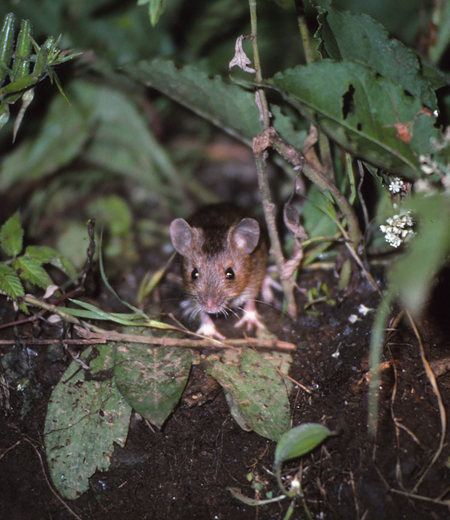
85,417
226,105
151,379
370,94
28,266
367,114
11,236
298,441
15,64
294,443
155,9
256,392
345,36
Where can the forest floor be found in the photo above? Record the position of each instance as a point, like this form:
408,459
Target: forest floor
183,471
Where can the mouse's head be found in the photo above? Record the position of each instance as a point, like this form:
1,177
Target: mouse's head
218,263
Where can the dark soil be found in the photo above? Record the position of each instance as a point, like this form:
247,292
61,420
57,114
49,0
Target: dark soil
183,471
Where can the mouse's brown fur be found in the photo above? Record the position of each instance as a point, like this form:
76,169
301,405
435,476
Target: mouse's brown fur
224,257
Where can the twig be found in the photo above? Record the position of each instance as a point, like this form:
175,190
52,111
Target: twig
269,212
272,139
104,336
434,385
257,62
420,497
263,182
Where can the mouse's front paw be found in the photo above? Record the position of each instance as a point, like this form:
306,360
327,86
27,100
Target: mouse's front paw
207,328
251,319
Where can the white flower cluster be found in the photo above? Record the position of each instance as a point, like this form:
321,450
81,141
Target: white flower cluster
397,185
399,229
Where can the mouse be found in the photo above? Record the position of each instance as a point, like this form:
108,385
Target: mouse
224,254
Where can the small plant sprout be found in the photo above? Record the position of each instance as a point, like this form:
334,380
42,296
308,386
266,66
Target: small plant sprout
294,443
398,229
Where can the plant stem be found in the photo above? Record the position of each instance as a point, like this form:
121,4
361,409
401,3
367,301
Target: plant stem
268,205
304,33
270,216
294,157
258,76
324,143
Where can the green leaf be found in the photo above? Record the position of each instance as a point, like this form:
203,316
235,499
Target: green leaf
63,134
6,45
358,37
443,34
370,116
124,145
256,392
315,221
151,379
95,313
4,114
412,275
84,420
48,255
225,105
10,283
22,52
113,211
299,441
31,269
11,236
155,9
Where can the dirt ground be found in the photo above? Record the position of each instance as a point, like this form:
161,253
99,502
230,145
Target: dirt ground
183,471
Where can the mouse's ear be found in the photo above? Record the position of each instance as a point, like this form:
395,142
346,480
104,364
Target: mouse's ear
181,235
246,234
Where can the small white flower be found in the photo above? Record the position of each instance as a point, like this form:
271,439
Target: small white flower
396,185
240,59
398,229
362,309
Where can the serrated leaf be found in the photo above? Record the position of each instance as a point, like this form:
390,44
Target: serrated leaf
84,420
11,236
48,255
257,391
225,105
358,37
151,379
31,269
370,116
299,441
10,283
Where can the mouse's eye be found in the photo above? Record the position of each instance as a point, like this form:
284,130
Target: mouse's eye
230,274
195,274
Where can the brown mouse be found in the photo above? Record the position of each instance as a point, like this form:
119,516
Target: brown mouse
224,256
